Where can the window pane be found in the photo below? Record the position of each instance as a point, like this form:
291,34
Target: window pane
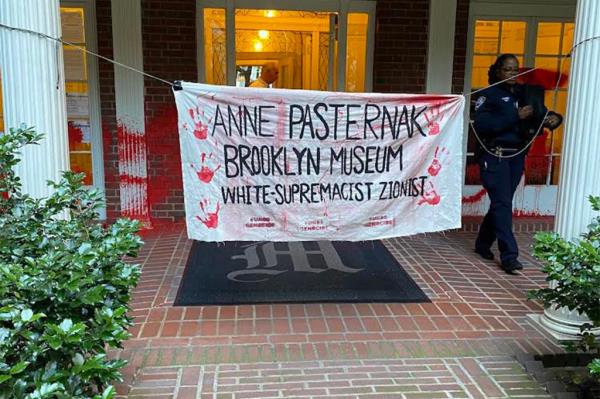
481,65
72,25
356,52
548,38
486,37
548,63
513,37
215,46
568,33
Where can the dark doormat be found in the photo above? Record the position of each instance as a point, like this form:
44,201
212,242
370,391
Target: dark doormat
287,272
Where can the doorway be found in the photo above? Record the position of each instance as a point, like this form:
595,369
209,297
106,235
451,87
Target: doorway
317,45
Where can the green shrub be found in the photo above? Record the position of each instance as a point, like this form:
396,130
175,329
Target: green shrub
64,286
574,267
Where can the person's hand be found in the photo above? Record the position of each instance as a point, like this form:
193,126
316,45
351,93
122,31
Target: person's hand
552,121
525,112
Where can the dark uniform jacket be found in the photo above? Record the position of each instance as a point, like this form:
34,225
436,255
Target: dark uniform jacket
497,115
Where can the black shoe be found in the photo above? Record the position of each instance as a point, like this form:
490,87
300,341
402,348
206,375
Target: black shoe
512,266
485,253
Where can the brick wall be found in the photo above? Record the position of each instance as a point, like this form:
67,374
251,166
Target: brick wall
460,45
107,108
400,63
169,45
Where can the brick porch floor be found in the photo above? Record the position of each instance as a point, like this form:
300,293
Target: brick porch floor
462,345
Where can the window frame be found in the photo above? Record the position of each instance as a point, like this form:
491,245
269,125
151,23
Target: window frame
93,82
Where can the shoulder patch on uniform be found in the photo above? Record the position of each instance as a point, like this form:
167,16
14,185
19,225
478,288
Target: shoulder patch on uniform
479,102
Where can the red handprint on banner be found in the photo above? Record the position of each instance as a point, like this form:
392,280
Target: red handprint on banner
206,173
434,117
430,196
200,129
209,219
438,158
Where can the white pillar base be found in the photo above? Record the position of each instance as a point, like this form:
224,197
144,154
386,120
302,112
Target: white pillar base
562,324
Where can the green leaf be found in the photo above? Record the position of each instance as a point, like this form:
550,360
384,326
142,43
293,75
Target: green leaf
108,393
26,315
78,359
84,248
66,325
4,377
18,368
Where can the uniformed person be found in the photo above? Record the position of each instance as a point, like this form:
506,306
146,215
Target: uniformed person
507,116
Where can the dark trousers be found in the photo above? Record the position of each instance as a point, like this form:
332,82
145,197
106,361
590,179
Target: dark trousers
500,178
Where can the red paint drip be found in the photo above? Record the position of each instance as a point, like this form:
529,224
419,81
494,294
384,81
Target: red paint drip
133,174
537,162
165,182
471,199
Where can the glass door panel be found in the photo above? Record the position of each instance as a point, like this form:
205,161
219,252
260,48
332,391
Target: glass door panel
356,51
298,42
215,53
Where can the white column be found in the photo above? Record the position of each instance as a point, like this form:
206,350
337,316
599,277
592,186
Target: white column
580,162
129,102
33,89
440,50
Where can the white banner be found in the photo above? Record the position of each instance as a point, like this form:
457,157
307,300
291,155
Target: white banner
299,165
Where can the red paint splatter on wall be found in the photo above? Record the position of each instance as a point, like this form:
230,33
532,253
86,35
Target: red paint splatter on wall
165,186
471,199
537,162
75,135
472,174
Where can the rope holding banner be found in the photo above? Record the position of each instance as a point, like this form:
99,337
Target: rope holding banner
45,36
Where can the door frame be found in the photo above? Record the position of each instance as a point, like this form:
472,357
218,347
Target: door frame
342,7
91,41
529,199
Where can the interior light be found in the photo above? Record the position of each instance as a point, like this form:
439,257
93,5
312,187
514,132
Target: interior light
263,34
258,46
269,13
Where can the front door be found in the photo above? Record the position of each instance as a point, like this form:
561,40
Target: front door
317,45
